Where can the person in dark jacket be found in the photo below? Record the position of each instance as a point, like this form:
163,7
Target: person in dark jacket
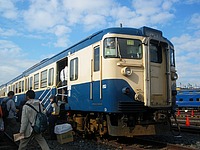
11,125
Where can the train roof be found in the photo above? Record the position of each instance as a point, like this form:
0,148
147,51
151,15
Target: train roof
144,31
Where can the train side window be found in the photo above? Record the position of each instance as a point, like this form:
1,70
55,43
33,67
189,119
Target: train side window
155,53
96,59
74,69
23,86
43,79
51,77
16,87
36,81
13,87
181,99
191,99
198,99
31,83
172,57
20,86
26,84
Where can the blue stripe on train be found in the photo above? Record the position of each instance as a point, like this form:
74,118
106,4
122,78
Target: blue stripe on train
79,98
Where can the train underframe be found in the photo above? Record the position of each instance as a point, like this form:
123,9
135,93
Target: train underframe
151,122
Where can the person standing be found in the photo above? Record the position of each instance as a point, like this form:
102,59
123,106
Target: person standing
28,120
10,121
53,116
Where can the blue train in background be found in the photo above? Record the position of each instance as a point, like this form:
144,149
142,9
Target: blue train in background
118,81
188,98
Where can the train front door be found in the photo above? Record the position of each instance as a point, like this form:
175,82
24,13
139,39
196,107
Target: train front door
95,85
158,76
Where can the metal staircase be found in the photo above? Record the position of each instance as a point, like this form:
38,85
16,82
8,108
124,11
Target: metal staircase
47,93
45,98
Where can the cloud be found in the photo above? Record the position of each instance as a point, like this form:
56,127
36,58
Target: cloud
61,42
60,30
8,48
44,14
8,32
154,12
54,21
187,58
186,43
191,1
195,20
13,61
8,9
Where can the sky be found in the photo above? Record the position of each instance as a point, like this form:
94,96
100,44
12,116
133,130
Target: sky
32,30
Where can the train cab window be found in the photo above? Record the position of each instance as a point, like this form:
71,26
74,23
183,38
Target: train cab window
191,99
96,59
155,53
180,99
123,48
198,99
110,47
74,69
130,48
51,77
36,81
43,79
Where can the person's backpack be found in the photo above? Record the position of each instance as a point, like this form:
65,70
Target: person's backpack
41,123
5,111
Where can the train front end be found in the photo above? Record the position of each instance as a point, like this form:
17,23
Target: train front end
138,82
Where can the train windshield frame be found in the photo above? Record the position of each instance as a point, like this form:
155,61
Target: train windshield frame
123,48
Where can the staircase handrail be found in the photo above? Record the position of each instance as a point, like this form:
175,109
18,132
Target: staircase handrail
44,92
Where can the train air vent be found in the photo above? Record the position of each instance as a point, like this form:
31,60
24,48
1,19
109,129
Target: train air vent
128,107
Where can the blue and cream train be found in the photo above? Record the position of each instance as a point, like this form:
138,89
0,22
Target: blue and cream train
118,81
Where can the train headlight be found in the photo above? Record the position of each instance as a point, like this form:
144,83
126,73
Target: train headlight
126,71
174,76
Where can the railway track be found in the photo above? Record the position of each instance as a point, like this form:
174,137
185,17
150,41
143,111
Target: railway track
139,143
136,143
188,120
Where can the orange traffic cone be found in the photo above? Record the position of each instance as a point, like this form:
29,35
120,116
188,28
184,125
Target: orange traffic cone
187,123
178,113
192,113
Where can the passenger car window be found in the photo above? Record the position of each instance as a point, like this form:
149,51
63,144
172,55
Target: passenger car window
74,69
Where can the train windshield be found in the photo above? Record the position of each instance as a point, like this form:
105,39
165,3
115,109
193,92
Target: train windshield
122,48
